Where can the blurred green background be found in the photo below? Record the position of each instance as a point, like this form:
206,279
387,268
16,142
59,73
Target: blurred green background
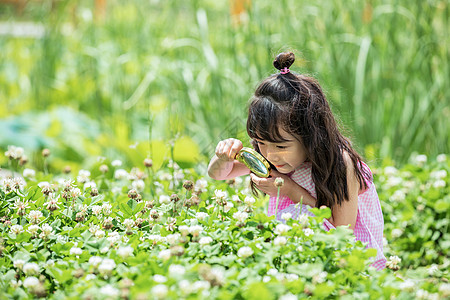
135,79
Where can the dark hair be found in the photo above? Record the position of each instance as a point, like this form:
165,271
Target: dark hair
297,104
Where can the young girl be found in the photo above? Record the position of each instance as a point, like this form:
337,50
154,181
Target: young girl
292,126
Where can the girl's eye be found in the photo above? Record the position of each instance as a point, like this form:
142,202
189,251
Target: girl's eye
281,147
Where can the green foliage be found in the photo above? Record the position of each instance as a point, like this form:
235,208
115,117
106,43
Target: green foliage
416,210
61,238
194,73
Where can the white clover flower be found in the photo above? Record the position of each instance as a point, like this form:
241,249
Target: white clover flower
439,184
245,252
50,263
200,185
206,240
75,193
94,228
164,199
159,278
138,185
120,174
18,263
272,272
201,215
286,216
30,268
249,200
266,279
155,237
125,252
433,269
33,229
288,296
422,294
420,160
76,251
291,277
184,230
113,237
441,158
281,229
83,176
179,175
160,291
106,266
15,283
90,277
165,254
96,210
240,216
407,285
393,181
16,229
200,285
439,174
303,219
280,241
279,182
106,208
217,275
165,177
89,185
116,163
34,216
95,261
128,223
393,262
398,196
185,287
390,171
176,270
109,291
228,206
308,231
29,173
221,195
104,249
235,198
397,232
99,234
14,152
195,230
320,278
31,282
444,288
172,239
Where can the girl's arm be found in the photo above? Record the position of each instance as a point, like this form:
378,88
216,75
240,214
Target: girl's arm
223,165
345,214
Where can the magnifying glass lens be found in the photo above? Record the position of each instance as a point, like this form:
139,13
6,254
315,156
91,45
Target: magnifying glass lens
254,161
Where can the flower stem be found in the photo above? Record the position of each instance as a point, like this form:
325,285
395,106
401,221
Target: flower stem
300,207
276,205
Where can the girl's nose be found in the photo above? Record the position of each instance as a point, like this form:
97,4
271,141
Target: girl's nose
272,156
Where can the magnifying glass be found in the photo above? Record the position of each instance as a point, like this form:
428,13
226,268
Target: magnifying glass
254,161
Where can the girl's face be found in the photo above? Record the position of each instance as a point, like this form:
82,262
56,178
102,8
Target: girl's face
285,156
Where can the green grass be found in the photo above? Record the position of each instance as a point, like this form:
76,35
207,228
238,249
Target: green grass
188,69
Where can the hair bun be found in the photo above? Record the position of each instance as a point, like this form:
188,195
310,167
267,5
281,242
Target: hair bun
284,60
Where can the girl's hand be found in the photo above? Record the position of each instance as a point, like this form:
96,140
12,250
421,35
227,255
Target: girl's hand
267,185
226,150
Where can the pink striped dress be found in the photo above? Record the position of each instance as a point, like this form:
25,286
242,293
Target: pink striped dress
369,221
